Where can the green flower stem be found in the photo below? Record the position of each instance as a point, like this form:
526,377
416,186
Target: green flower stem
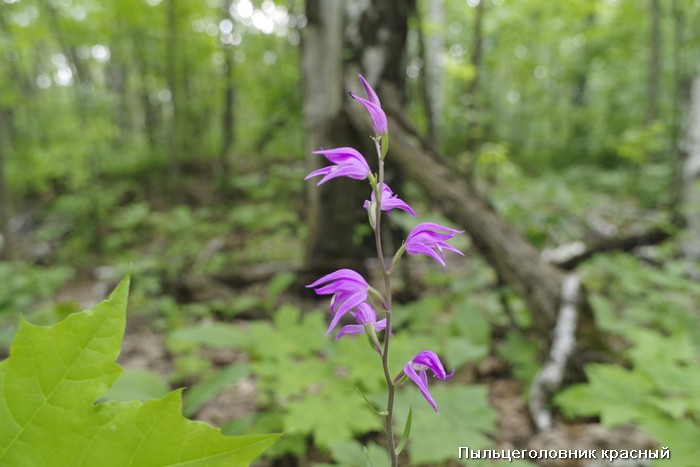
397,257
388,420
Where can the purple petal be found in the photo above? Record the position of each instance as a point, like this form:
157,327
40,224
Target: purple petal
352,302
376,113
421,383
434,230
365,314
380,325
396,203
389,201
417,249
431,361
340,275
316,173
351,329
371,95
348,163
347,301
430,239
343,155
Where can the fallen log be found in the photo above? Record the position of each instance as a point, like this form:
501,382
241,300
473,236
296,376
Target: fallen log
515,259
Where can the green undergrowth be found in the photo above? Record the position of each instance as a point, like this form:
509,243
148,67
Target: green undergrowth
312,387
30,287
655,385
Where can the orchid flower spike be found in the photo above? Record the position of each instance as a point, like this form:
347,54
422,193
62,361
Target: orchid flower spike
374,108
430,239
416,371
364,315
349,290
389,201
348,163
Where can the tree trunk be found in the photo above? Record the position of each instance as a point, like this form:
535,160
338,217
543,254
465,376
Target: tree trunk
432,48
654,66
691,175
475,128
8,251
580,127
150,111
82,89
172,71
229,99
331,227
340,40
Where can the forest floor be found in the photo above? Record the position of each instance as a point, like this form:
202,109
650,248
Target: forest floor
145,348
157,232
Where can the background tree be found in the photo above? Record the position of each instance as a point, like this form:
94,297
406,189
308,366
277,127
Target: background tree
332,54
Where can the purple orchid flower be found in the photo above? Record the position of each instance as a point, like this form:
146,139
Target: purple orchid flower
349,290
389,201
430,239
374,108
364,315
416,370
348,163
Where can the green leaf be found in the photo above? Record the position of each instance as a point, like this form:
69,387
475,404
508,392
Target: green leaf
51,380
334,414
291,335
680,436
353,454
217,335
459,351
142,384
616,394
277,286
292,378
406,432
210,387
673,407
522,354
466,418
370,404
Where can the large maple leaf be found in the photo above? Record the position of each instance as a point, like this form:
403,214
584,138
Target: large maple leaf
48,415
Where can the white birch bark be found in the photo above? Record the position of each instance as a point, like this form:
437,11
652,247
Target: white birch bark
691,174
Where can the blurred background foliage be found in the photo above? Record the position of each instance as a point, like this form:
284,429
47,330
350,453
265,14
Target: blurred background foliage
166,137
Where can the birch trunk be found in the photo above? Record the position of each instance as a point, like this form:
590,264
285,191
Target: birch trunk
691,174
